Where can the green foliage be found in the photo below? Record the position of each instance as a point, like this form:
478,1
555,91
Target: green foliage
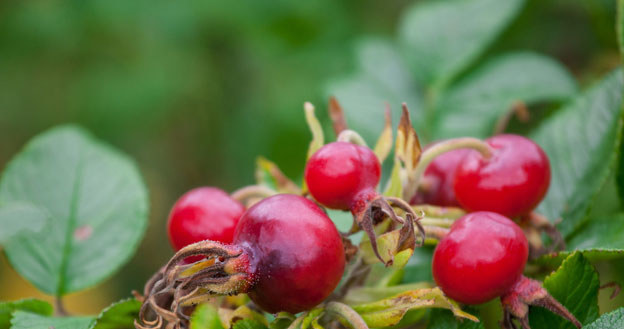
437,54
610,320
575,285
97,205
205,316
581,141
17,217
473,106
26,320
119,315
599,239
444,319
248,324
30,305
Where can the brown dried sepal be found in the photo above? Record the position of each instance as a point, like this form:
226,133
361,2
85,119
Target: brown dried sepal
336,113
527,292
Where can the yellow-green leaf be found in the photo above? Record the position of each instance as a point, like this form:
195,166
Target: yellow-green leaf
390,311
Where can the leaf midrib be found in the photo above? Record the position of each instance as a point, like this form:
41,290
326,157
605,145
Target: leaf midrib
71,223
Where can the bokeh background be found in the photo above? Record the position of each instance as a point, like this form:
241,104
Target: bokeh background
195,90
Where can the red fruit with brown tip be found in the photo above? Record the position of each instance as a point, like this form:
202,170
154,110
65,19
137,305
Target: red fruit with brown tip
204,213
340,174
511,182
296,256
480,258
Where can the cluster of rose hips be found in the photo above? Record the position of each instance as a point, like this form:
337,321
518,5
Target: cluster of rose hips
287,255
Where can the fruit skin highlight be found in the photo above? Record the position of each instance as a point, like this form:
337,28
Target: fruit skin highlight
341,175
296,256
511,182
203,213
480,258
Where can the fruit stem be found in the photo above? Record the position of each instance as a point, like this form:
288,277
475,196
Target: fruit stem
252,191
59,306
435,232
352,137
438,222
445,146
439,212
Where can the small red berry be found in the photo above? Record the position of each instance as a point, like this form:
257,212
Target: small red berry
438,179
480,258
511,182
339,174
204,213
296,256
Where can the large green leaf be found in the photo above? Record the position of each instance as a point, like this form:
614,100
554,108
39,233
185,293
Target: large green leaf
248,324
31,305
18,217
119,315
581,141
575,285
97,204
599,239
443,37
383,78
474,105
444,319
26,320
610,320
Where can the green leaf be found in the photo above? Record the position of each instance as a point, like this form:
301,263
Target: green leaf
248,324
26,320
473,106
600,239
31,305
282,321
610,320
205,316
18,217
119,315
97,204
390,311
581,140
383,78
575,285
444,37
444,319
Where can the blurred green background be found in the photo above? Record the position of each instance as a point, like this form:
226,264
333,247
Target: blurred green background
195,90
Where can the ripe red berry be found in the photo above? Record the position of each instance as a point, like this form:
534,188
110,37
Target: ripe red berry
296,256
340,174
204,213
511,182
437,181
480,258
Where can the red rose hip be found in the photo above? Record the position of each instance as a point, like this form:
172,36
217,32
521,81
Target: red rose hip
204,213
511,182
296,256
340,174
480,258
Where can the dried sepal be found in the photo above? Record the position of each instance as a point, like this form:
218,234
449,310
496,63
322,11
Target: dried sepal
336,113
407,153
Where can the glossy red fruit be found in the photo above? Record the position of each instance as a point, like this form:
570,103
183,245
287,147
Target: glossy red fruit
480,258
512,182
438,180
296,256
340,174
204,213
